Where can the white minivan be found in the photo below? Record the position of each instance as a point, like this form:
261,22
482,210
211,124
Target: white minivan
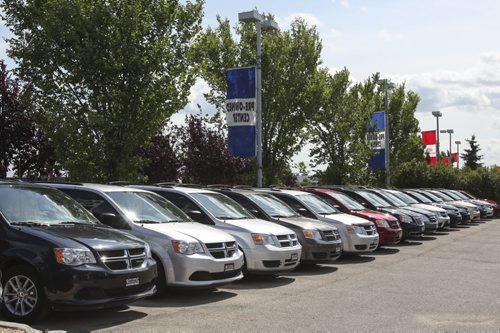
267,247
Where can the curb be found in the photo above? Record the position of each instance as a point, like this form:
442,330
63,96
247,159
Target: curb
17,326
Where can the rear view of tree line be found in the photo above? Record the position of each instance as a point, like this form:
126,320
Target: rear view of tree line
103,88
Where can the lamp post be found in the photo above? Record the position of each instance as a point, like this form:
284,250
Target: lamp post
458,153
387,85
254,17
450,132
437,114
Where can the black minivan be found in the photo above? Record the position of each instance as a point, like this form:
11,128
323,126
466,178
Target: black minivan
55,255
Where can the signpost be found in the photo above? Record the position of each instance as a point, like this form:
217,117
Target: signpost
241,103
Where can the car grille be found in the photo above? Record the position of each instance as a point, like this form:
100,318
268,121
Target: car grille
418,220
330,235
443,214
124,259
370,229
222,250
394,224
287,240
432,219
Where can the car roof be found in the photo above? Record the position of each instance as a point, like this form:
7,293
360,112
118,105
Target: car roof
284,191
98,187
182,189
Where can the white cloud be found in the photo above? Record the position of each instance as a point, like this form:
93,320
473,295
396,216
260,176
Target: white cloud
490,57
344,3
388,36
308,17
364,9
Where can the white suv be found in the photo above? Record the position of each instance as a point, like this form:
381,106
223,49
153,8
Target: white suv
188,254
358,235
268,247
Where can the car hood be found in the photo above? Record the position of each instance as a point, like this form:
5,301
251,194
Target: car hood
372,214
464,204
189,230
418,210
429,207
347,219
259,226
307,223
96,237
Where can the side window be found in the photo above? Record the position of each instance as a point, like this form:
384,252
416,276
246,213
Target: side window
98,206
187,206
248,205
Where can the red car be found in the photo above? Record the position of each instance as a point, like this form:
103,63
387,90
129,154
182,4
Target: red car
388,227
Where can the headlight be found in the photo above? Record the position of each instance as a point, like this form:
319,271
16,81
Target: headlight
355,229
187,248
148,251
74,257
262,239
404,218
312,234
381,223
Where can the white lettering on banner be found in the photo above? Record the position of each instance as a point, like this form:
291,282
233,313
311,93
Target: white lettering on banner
376,140
240,112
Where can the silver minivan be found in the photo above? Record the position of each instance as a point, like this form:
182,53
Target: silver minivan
189,254
268,247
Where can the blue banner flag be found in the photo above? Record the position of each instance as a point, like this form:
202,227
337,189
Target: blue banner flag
376,140
241,104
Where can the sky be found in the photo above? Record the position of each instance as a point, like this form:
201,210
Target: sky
445,50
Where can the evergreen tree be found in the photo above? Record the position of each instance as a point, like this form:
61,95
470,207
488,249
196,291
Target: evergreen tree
471,156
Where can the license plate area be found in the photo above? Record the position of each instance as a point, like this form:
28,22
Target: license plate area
228,267
295,256
131,282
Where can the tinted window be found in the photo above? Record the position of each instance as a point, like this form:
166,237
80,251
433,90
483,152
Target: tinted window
317,204
347,201
374,199
272,205
221,206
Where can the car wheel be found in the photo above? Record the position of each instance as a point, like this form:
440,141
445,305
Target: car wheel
160,280
23,295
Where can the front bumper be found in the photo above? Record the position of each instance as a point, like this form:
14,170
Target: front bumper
94,287
357,243
443,221
317,251
388,236
455,220
412,229
431,228
203,270
269,259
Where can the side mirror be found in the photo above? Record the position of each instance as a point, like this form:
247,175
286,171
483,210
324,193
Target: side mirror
306,213
111,220
195,215
336,207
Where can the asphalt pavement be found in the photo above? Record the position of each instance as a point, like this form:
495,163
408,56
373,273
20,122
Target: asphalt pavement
448,282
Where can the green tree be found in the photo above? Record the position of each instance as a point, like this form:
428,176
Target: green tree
338,126
106,74
471,155
289,61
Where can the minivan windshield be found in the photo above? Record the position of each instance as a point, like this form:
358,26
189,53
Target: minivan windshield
453,195
432,196
374,199
40,205
420,197
145,207
347,201
442,196
392,199
404,197
221,206
317,204
272,205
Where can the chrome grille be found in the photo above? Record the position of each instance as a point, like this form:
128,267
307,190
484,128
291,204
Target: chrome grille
287,240
222,250
330,235
117,260
370,229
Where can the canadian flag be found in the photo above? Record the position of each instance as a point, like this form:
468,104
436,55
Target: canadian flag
429,141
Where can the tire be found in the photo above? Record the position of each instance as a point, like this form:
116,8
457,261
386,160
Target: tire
23,281
160,280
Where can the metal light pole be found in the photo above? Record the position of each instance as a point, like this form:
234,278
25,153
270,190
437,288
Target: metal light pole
387,85
437,114
254,17
450,132
458,153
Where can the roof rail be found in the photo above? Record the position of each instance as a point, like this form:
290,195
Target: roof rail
243,187
123,183
166,184
218,186
55,182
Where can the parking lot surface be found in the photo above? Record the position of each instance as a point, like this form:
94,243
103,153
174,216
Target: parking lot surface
445,282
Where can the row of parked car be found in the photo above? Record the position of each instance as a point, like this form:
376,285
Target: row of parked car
66,245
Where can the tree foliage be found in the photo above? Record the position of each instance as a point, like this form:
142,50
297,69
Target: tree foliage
289,62
105,74
471,155
162,163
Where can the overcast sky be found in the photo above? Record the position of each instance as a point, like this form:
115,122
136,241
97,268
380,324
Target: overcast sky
446,50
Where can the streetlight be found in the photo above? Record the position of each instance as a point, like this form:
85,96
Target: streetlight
458,155
253,16
437,114
387,85
450,132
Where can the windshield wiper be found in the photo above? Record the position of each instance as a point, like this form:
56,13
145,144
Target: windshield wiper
232,217
147,222
73,223
31,224
172,221
283,216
